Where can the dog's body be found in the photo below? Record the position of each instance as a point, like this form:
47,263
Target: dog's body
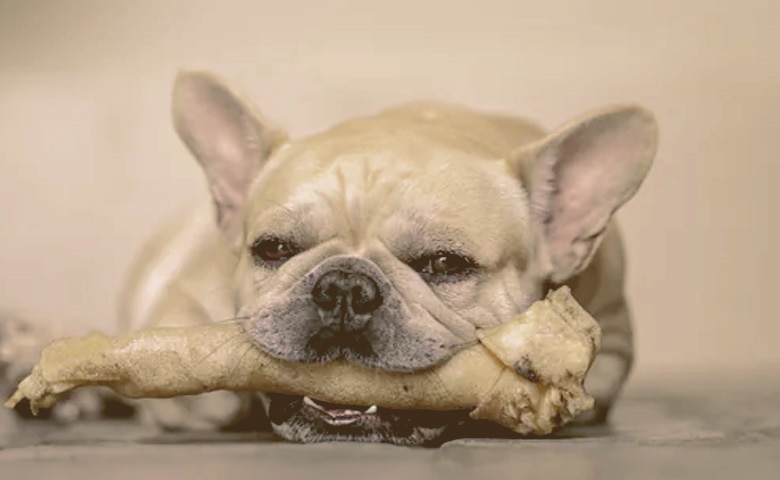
387,241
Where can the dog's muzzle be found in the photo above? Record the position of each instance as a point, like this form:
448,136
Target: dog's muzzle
347,309
345,302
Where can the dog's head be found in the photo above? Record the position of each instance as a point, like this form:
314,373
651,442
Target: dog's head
387,241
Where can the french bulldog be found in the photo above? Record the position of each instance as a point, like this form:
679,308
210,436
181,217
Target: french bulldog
387,241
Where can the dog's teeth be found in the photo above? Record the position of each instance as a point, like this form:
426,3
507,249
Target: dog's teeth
308,401
345,411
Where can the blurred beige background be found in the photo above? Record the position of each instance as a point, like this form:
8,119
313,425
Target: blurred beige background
90,163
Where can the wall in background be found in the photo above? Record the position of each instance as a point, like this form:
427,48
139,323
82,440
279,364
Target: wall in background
90,164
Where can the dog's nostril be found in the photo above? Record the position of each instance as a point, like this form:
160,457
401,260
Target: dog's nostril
365,298
356,292
326,296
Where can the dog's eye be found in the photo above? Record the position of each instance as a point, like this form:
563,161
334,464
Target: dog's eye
448,264
272,251
441,265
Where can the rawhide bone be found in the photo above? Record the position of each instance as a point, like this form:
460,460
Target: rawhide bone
526,374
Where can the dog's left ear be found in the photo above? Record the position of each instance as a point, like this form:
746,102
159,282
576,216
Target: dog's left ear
230,140
578,176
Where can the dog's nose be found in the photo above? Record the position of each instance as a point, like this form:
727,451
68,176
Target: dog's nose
346,294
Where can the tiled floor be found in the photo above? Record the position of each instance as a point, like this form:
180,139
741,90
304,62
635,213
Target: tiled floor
727,426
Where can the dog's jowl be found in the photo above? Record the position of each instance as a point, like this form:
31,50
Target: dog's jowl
387,241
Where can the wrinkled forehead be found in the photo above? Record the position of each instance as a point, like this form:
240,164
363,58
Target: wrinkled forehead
389,190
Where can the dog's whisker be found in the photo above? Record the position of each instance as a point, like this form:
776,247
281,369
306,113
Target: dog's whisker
240,337
250,347
234,319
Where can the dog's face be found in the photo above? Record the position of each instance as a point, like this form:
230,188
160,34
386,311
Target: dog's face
388,241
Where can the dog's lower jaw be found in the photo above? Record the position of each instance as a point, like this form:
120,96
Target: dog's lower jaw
301,431
296,420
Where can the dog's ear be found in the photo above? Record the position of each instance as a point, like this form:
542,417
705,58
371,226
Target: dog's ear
579,175
227,137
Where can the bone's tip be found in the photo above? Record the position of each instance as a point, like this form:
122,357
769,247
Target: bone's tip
14,400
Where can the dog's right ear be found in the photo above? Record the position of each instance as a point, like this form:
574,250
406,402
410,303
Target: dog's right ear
579,175
227,137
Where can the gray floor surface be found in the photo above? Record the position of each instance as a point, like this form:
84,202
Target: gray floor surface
687,426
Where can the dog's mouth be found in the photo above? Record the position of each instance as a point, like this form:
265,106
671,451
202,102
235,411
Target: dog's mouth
305,419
